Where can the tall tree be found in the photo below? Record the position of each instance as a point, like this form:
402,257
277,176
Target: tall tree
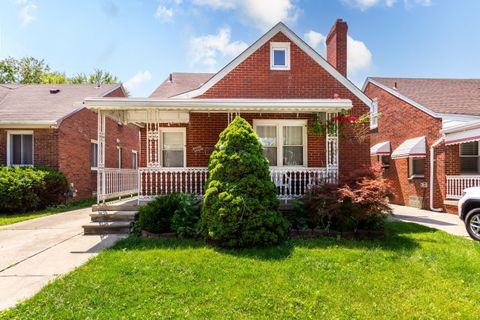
30,70
79,78
8,70
100,77
53,78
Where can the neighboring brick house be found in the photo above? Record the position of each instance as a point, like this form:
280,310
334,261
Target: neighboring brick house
418,118
279,84
47,125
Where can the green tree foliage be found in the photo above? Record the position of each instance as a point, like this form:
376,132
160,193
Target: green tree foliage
53,78
30,70
240,205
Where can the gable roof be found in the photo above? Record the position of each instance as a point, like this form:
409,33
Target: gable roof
279,27
180,82
435,96
33,104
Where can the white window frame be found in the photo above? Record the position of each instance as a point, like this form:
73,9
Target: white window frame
374,114
160,147
410,168
469,173
380,160
279,124
135,152
93,142
283,46
20,132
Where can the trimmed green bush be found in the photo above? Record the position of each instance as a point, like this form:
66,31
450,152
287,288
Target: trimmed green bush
175,212
25,189
240,205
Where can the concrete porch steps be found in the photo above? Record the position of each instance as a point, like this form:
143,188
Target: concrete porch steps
111,219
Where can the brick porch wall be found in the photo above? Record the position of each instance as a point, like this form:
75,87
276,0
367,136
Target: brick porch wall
202,133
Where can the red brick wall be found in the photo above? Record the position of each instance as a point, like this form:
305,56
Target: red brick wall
75,135
203,131
398,122
45,146
305,79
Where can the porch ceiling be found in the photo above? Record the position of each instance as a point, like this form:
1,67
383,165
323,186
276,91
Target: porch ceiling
141,110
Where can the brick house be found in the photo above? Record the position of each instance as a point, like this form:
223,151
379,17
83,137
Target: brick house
424,122
47,125
279,85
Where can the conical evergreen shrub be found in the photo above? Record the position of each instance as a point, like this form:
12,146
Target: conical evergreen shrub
240,205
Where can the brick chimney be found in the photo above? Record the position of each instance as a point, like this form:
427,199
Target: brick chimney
337,46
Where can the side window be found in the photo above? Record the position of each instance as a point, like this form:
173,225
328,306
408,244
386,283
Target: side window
374,114
469,157
20,149
94,155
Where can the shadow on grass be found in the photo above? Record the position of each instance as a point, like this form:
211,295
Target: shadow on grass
398,240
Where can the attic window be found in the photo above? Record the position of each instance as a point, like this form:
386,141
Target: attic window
280,55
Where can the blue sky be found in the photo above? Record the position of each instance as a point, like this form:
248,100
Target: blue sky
142,41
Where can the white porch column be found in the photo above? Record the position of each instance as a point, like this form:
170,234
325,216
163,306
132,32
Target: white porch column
101,158
332,145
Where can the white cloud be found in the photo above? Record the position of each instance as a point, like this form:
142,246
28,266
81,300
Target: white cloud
316,40
366,4
26,13
205,49
262,13
137,80
164,14
359,57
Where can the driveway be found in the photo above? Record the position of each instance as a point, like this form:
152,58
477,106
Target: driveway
36,251
438,220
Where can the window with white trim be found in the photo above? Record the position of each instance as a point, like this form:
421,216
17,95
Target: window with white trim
119,158
20,148
384,161
280,55
173,147
374,114
284,141
416,167
469,158
134,159
93,155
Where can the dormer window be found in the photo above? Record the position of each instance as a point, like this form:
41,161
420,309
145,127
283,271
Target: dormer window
280,55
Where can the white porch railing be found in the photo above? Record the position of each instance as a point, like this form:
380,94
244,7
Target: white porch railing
456,184
115,183
291,182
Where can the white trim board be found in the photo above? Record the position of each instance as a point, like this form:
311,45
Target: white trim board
279,27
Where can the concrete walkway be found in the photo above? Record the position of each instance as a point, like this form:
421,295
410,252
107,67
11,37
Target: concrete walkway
438,220
34,252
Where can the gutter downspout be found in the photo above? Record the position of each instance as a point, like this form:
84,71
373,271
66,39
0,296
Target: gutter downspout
432,159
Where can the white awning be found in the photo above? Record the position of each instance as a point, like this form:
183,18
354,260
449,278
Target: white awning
464,133
410,148
380,149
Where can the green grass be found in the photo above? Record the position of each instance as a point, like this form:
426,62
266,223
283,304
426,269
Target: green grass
415,273
7,218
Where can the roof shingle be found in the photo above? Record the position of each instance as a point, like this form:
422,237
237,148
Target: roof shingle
452,96
33,103
181,82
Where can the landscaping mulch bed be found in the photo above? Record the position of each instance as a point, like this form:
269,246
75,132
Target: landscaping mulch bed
301,234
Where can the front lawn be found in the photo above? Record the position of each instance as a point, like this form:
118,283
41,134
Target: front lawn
18,217
414,273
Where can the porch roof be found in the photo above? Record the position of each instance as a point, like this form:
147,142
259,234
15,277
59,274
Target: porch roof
411,148
137,109
382,148
463,133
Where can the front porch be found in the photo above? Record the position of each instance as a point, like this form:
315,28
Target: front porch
177,138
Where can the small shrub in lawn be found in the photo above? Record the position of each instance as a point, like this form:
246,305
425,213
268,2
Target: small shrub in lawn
175,212
240,204
360,201
25,189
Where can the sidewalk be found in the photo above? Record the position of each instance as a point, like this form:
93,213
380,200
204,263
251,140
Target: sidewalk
34,252
438,220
